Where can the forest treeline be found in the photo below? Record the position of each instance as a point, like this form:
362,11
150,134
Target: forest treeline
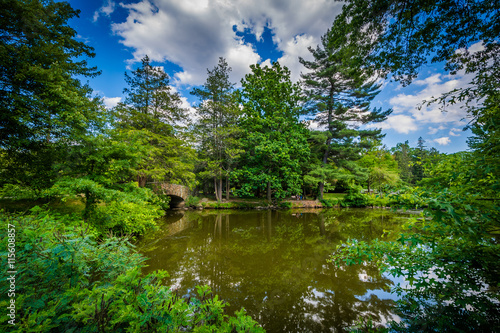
58,142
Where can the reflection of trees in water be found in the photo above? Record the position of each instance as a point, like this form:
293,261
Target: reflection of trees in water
274,264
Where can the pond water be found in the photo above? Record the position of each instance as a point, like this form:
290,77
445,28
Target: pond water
273,263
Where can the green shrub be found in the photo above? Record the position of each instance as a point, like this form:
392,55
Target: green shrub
378,201
192,201
162,200
412,198
285,205
17,192
68,282
354,198
329,203
126,210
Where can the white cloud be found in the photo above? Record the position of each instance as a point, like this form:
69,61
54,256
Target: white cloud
295,48
433,86
453,131
195,33
400,123
444,141
111,102
190,110
434,130
106,9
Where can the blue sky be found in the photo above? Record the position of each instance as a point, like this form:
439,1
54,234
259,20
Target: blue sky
186,37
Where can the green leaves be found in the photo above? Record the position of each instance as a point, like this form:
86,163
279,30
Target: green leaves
150,122
274,140
42,105
71,283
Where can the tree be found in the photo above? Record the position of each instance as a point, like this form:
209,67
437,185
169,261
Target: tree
401,37
274,140
449,258
382,168
216,127
402,154
340,90
150,119
150,99
43,107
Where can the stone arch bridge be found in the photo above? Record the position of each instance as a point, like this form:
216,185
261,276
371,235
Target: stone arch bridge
177,193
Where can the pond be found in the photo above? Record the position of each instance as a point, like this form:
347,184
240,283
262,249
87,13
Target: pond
274,264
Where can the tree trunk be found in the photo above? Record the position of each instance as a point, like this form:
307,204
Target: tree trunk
220,189
227,188
269,225
269,191
216,189
369,187
141,180
321,187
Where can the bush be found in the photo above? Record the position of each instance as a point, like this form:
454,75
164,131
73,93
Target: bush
329,203
355,198
285,205
192,201
127,210
17,192
71,283
412,198
378,201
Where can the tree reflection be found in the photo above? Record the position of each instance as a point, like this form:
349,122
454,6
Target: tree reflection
273,263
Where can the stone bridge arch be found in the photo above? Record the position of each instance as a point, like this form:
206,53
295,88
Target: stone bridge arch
178,193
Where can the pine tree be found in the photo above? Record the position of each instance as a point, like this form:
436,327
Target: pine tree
216,126
150,118
340,90
402,154
43,106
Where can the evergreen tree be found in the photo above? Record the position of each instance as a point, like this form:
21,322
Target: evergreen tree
274,140
150,102
402,154
43,107
420,154
340,90
456,241
216,126
150,119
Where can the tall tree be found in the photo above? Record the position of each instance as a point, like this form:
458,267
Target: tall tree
274,140
150,102
402,154
457,242
43,106
216,127
340,90
150,118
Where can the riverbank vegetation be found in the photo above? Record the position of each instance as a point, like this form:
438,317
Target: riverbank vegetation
59,144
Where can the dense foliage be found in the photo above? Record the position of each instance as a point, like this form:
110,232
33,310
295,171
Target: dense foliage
71,283
217,129
274,140
58,143
450,257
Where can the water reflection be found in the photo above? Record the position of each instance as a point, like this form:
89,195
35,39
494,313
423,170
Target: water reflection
273,263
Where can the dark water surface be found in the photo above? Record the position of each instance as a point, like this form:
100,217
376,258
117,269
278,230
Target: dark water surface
273,263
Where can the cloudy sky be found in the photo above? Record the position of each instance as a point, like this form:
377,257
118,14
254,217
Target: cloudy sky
188,36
